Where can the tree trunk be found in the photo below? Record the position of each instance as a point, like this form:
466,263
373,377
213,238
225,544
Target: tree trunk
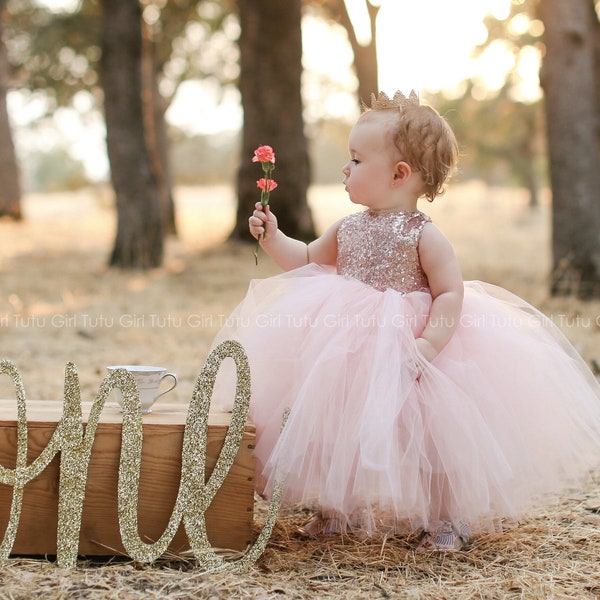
596,33
156,130
569,79
165,179
139,239
271,69
10,186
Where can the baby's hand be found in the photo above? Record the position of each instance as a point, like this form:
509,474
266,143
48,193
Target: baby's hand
426,349
262,222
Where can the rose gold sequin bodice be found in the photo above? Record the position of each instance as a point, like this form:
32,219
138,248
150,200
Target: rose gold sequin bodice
380,249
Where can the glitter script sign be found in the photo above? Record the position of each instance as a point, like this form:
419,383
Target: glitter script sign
75,447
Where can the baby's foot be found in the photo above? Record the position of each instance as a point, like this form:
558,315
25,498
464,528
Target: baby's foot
313,528
448,536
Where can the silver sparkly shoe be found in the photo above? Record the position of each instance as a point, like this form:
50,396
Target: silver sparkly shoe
315,527
447,536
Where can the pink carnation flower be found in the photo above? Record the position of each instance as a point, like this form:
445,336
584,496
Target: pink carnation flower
264,154
267,185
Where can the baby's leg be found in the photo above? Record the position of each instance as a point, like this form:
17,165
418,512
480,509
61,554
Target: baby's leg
443,532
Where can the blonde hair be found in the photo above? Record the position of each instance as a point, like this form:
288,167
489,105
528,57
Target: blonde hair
423,138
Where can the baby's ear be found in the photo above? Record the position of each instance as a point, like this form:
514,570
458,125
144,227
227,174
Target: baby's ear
402,171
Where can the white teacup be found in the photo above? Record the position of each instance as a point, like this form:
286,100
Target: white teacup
148,380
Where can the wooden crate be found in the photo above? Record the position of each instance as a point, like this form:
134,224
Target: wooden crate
229,518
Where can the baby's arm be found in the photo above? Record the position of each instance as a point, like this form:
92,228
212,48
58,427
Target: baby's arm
287,252
445,282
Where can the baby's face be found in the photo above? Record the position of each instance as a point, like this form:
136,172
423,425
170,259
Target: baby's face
369,174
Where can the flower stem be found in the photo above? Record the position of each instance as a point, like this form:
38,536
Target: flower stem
264,200
256,251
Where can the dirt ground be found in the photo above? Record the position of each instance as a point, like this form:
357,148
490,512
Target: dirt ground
59,302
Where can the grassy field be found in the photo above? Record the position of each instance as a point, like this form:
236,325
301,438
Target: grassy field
59,303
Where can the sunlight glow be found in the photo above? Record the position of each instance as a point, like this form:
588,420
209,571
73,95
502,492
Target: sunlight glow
428,44
519,24
328,80
325,49
422,45
196,108
357,10
496,60
528,69
60,5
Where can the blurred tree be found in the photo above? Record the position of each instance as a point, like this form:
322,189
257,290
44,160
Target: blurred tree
510,127
53,170
567,37
155,107
58,51
219,152
570,79
365,52
270,80
177,41
10,185
139,240
498,130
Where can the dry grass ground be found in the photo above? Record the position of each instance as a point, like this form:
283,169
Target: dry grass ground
59,303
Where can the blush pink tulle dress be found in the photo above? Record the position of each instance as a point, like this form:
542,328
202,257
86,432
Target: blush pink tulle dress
506,417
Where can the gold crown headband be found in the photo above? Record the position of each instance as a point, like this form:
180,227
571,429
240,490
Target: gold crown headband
399,100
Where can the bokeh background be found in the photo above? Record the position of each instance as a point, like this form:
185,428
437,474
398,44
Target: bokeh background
126,137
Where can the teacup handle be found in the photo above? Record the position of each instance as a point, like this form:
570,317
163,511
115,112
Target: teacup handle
172,387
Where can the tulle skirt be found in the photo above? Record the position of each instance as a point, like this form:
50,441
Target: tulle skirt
504,419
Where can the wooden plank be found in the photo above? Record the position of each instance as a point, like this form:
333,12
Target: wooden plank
47,412
229,518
